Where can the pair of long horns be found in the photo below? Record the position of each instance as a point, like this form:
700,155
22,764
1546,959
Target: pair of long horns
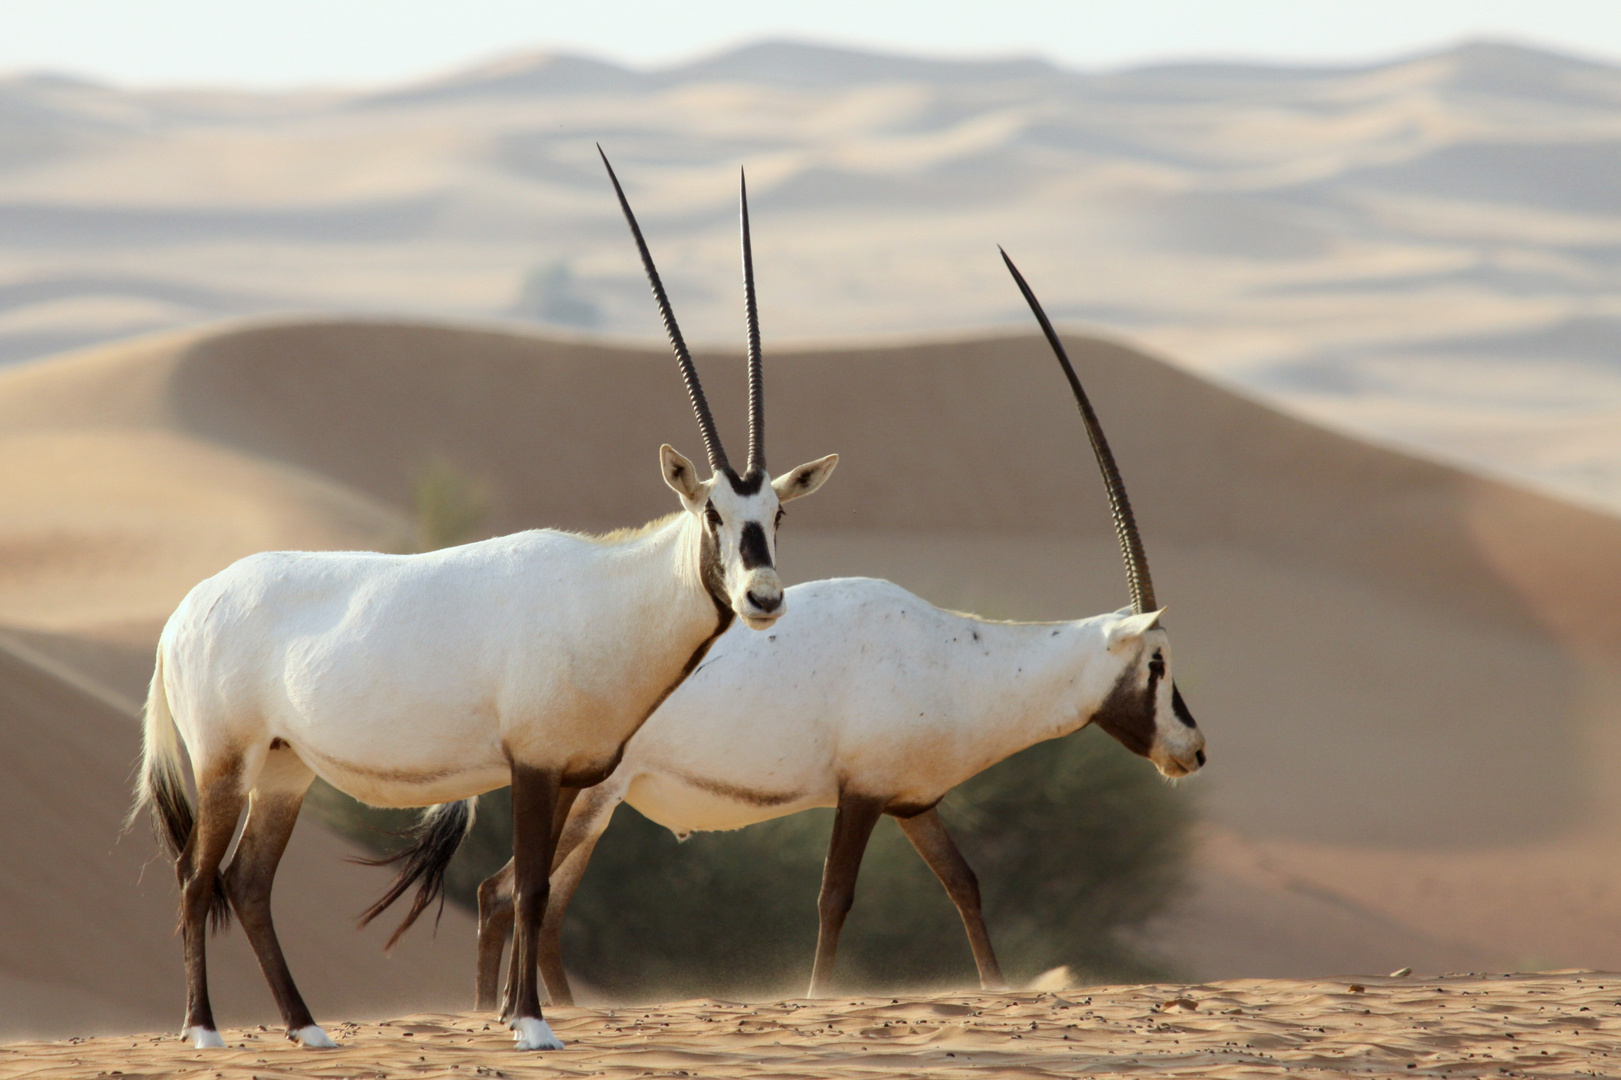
695,390
1125,524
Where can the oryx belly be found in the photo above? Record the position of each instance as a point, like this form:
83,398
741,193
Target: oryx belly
688,804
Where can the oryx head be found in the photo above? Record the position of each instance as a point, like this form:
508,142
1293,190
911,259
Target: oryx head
1144,710
738,513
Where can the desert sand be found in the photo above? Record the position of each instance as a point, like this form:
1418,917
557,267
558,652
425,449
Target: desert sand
1553,1025
1410,674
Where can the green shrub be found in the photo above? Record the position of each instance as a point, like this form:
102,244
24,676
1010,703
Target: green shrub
450,506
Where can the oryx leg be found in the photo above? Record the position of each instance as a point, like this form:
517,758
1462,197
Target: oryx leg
534,804
852,828
577,839
584,828
273,806
928,834
219,806
494,924
495,913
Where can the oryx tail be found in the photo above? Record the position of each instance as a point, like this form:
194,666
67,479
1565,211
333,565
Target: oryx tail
433,843
161,788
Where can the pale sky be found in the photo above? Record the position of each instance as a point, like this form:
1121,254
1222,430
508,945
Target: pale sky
284,43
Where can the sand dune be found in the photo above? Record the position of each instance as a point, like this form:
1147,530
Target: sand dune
1408,673
1533,1026
1416,248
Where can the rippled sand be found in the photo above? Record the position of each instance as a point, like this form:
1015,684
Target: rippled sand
1553,1025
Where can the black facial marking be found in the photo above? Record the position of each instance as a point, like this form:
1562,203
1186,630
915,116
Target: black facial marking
745,485
711,516
753,549
1180,708
1156,672
1128,713
714,576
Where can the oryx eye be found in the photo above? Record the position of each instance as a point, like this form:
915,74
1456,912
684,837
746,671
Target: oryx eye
1156,666
781,513
712,516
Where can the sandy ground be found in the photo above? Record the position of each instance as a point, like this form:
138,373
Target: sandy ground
1552,1025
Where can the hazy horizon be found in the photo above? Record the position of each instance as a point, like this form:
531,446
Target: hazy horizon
299,44
521,55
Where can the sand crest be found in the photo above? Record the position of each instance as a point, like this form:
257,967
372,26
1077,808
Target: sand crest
1563,1024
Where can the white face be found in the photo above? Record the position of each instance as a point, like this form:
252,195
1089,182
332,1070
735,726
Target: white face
741,520
740,516
1145,712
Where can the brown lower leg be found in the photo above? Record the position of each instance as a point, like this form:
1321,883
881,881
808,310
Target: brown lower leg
534,802
270,824
219,804
928,834
494,924
565,803
579,839
852,828
495,918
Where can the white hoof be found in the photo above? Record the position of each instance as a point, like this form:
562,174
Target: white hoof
532,1033
203,1038
314,1038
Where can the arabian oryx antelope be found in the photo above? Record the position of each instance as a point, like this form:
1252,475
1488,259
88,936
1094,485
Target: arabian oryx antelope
871,700
415,680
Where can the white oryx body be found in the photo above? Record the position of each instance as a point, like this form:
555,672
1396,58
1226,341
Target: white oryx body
868,688
425,680
409,680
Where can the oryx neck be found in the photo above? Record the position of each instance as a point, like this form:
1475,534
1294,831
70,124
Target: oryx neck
681,550
1038,680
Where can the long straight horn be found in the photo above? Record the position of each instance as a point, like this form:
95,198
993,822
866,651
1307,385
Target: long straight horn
695,389
1125,525
752,313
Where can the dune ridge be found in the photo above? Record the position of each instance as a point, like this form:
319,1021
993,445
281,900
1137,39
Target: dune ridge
1421,248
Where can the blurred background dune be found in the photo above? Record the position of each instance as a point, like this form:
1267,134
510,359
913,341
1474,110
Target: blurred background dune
1366,415
1424,249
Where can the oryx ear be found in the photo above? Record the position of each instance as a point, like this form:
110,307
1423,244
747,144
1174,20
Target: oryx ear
1133,626
805,479
679,473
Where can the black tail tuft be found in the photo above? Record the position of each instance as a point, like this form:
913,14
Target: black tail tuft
171,811
433,842
172,821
